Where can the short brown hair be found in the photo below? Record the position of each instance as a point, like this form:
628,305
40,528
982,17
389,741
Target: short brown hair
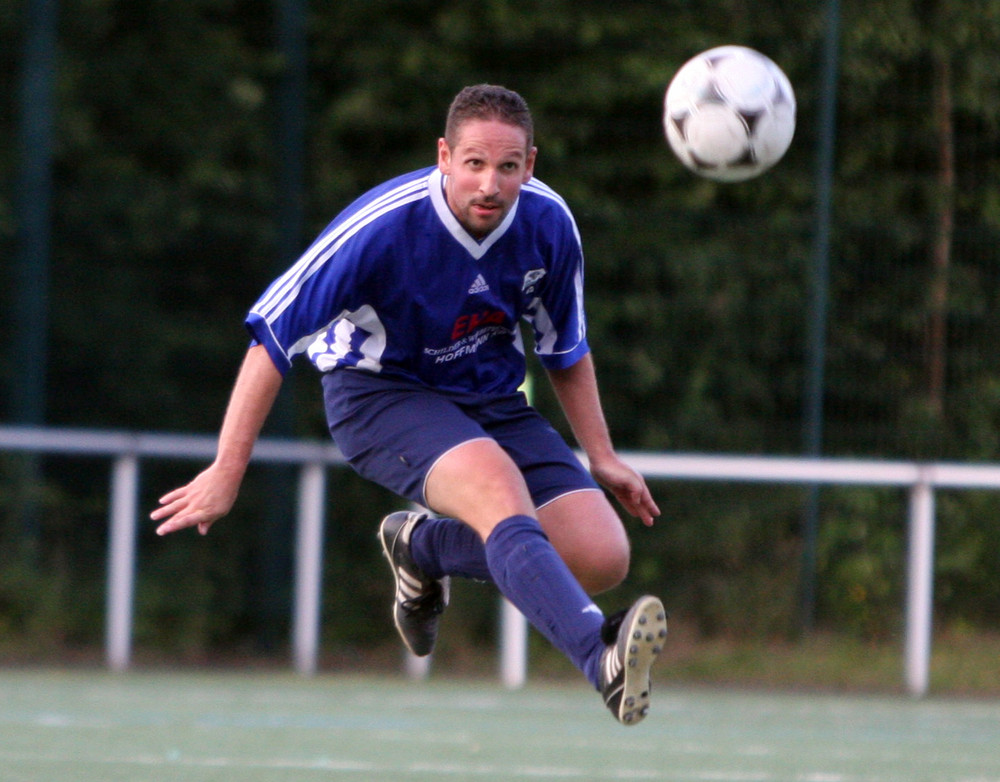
488,102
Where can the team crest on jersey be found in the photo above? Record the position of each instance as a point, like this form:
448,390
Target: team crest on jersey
530,279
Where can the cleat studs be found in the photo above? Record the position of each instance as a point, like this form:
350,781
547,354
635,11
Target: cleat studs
633,649
630,702
632,662
649,638
657,650
637,635
663,633
642,620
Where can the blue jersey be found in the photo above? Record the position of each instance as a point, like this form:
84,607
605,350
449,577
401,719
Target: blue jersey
395,285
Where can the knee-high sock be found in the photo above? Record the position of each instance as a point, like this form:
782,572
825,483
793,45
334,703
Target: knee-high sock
447,547
529,573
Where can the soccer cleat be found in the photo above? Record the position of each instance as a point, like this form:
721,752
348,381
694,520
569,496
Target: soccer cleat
634,637
419,600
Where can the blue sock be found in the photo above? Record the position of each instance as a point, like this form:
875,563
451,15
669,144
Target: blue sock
447,547
530,574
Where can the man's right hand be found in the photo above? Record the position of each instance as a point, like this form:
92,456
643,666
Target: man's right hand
201,503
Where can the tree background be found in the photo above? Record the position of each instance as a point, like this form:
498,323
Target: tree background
166,225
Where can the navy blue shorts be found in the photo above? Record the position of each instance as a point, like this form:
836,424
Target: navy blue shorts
393,432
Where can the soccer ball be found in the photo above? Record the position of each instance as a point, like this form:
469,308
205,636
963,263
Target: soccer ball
729,113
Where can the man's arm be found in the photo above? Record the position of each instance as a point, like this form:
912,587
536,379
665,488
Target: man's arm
212,493
576,390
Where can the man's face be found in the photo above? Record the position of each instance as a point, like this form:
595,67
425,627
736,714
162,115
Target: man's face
485,170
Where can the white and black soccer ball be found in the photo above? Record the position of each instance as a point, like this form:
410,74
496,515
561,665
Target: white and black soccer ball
729,113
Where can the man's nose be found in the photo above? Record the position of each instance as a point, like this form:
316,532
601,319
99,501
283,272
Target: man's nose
490,182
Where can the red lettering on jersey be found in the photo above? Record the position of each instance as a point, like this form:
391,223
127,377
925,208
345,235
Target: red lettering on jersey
460,327
466,324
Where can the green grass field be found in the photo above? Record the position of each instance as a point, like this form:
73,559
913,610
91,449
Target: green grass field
251,727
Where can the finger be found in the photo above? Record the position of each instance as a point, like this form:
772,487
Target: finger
171,504
643,507
164,511
169,526
170,496
178,521
644,514
632,502
649,508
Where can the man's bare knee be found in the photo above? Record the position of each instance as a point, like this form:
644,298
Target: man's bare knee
601,569
589,537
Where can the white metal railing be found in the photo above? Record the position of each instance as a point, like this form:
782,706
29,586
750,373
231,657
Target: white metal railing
127,450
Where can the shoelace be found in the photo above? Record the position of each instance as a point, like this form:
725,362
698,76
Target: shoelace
429,602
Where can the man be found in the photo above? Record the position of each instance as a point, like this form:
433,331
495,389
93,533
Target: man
409,303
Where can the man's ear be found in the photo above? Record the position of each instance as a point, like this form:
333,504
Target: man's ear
444,157
529,165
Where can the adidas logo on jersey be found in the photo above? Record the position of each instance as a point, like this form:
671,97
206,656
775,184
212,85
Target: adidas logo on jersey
479,285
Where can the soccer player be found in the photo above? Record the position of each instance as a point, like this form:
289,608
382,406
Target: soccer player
409,304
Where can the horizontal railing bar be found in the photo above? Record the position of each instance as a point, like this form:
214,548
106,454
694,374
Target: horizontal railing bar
681,466
773,469
160,445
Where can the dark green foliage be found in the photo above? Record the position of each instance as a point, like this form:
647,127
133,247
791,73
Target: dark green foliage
165,230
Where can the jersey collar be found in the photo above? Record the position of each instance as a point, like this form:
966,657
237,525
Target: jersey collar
475,248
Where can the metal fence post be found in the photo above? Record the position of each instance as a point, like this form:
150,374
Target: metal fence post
920,587
121,561
308,567
513,646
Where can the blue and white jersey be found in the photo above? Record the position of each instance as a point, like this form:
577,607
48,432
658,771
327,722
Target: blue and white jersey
395,285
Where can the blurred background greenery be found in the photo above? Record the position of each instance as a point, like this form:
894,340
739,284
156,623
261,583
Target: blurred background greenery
197,145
